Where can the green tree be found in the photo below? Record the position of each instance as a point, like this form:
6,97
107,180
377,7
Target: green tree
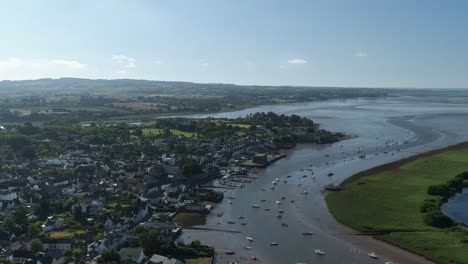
110,256
149,240
36,245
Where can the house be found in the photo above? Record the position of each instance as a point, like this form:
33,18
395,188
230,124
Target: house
132,255
97,247
158,259
56,244
7,195
52,223
21,256
166,229
137,213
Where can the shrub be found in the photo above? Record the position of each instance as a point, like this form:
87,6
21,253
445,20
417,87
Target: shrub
437,219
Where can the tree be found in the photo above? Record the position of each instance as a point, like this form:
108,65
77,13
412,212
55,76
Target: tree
149,240
110,256
437,219
33,230
36,245
76,255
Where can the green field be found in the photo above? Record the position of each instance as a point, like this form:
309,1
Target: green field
157,131
66,234
198,261
189,219
388,201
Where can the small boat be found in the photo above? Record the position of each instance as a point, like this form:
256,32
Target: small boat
243,223
263,200
267,209
292,201
231,222
285,181
249,238
255,206
319,252
289,176
253,257
280,211
307,233
241,217
305,192
363,156
278,202
373,255
229,252
304,176
276,179
331,187
248,247
284,197
284,224
279,216
229,202
273,244
331,174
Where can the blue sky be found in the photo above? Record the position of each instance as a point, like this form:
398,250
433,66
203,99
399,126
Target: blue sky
367,43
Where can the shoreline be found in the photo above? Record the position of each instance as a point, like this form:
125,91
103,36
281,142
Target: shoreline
398,163
378,240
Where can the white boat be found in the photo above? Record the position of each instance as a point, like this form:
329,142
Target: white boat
249,238
278,202
319,252
372,255
255,206
247,247
273,244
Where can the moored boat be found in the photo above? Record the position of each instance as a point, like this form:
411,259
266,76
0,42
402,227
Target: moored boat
319,252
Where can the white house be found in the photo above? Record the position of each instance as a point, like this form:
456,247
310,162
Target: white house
135,255
52,223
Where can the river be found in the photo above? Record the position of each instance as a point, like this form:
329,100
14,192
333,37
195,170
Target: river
386,129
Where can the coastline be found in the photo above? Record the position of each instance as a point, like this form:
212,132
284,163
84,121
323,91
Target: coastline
391,247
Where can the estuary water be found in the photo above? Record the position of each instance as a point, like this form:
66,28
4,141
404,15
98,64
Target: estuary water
385,129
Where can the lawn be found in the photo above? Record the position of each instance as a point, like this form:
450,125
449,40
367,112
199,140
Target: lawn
157,131
198,261
390,200
66,234
189,219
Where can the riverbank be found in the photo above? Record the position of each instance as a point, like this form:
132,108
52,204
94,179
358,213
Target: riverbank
387,200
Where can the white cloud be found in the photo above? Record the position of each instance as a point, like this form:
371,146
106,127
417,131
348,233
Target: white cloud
124,60
297,61
361,54
11,63
72,64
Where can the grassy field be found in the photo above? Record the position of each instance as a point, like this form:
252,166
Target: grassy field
388,200
66,234
157,131
190,219
198,261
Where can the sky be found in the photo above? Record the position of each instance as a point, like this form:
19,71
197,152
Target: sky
358,43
